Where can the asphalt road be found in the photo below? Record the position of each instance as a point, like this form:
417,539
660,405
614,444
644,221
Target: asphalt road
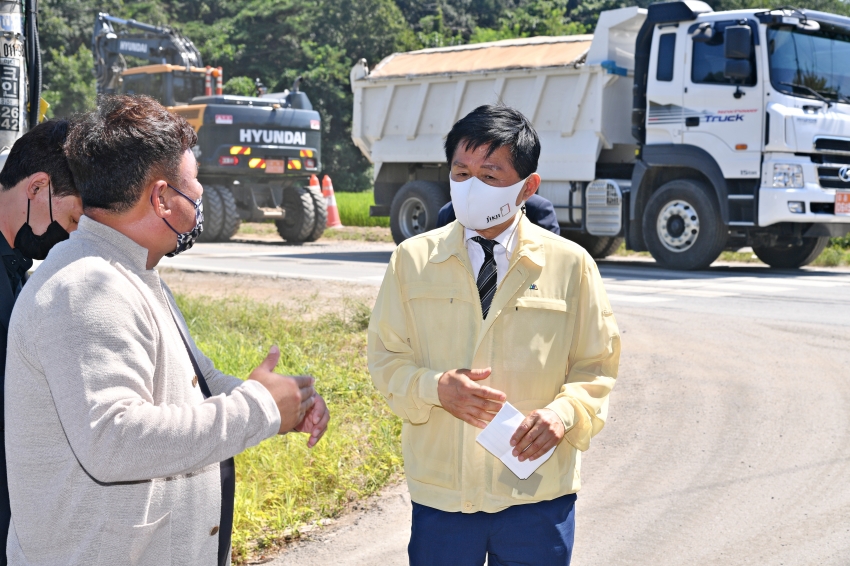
728,440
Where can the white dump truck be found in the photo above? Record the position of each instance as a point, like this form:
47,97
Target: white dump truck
683,130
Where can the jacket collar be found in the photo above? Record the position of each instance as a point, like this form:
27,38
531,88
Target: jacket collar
454,244
112,244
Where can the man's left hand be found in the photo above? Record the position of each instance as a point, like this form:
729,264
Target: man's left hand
315,421
538,432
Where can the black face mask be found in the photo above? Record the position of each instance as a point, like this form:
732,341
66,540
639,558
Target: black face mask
36,247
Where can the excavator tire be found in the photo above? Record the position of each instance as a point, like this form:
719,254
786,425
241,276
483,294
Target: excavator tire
320,208
231,220
213,215
300,219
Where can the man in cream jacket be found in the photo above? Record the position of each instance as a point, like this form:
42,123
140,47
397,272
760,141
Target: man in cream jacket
485,310
119,431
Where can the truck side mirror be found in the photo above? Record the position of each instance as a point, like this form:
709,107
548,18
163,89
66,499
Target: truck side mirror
738,42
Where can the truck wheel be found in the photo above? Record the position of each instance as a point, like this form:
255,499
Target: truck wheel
597,246
300,219
792,257
682,225
320,208
231,220
213,215
415,207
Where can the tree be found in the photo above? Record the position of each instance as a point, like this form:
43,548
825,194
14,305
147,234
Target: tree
69,83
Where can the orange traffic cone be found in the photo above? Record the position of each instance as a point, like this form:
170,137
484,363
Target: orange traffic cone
330,200
315,186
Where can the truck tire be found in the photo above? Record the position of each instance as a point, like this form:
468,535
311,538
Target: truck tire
300,217
792,257
320,208
213,215
597,246
415,207
682,225
231,220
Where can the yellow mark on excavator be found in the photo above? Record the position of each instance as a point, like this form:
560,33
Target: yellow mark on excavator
306,153
193,114
257,163
240,150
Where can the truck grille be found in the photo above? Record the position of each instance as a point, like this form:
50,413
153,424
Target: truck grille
822,207
828,168
829,145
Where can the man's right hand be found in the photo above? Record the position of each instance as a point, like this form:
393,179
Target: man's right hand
461,396
293,394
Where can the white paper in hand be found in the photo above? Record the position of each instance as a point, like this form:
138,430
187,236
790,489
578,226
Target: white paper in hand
496,438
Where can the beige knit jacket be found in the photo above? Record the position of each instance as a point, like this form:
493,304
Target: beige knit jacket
112,450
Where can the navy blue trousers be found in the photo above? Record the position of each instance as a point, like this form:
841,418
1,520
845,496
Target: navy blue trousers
537,534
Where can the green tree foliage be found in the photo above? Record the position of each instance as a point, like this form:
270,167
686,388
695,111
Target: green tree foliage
71,88
277,41
242,86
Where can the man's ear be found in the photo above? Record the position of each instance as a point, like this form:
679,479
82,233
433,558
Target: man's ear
38,182
531,186
158,199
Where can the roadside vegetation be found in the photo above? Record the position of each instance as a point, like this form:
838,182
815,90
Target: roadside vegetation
836,255
281,485
354,210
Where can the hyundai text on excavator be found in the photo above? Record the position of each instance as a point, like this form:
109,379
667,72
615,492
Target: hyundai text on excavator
255,154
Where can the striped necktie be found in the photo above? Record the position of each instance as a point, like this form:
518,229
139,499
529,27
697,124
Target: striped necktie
487,275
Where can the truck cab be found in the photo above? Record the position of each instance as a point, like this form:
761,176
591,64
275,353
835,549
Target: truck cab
751,105
737,133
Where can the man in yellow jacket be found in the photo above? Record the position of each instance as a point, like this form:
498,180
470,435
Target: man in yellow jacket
486,310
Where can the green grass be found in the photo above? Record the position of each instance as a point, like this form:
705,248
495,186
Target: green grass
354,210
280,483
835,255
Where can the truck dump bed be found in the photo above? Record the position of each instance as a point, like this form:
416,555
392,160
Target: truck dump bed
525,53
576,90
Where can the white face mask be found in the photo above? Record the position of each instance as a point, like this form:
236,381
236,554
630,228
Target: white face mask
479,206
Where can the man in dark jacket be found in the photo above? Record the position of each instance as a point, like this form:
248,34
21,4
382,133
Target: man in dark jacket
39,205
538,209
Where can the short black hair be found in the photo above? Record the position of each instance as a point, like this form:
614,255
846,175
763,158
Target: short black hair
115,150
40,151
495,126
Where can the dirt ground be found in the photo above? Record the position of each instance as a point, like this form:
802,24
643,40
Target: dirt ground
296,294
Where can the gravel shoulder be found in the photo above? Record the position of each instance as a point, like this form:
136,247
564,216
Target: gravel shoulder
305,297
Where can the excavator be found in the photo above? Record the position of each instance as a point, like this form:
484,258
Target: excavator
21,106
255,154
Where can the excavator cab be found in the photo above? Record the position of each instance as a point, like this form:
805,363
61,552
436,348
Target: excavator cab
171,85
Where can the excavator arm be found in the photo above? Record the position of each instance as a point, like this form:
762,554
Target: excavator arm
154,44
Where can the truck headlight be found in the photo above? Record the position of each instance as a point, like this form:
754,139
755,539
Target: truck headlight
787,176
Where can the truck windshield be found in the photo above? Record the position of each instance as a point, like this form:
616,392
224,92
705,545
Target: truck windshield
810,64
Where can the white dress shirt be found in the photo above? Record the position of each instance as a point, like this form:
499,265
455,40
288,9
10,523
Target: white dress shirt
502,251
